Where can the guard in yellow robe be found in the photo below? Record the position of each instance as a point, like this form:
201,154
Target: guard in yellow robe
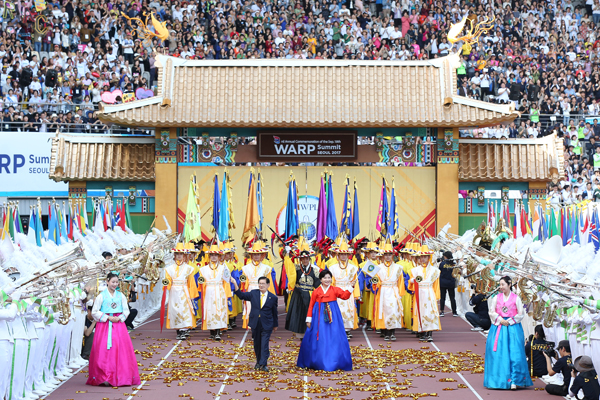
235,269
388,288
426,286
366,308
345,276
214,285
181,288
407,264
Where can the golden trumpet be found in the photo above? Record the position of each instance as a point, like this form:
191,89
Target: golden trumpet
201,280
165,282
375,280
419,279
243,278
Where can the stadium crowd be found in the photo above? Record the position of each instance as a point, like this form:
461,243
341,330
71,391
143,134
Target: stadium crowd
541,56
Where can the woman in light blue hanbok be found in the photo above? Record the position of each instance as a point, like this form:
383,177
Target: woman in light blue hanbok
505,361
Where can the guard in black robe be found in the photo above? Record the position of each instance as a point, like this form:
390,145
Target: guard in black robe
306,281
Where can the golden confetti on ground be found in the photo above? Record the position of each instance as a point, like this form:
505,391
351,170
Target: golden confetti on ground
380,373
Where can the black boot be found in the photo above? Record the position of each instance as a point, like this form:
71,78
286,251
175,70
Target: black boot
212,334
218,335
430,336
386,334
393,335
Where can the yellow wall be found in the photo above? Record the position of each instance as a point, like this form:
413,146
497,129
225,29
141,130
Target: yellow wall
447,191
415,192
166,190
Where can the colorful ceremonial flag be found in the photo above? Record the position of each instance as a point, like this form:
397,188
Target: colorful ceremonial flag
259,199
291,210
322,212
332,228
594,230
536,224
39,228
382,211
192,227
355,215
31,230
345,221
223,227
216,205
391,225
252,220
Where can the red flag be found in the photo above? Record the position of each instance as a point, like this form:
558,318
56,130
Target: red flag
122,222
523,222
70,233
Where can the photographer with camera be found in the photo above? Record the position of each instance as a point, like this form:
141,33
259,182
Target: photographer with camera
480,317
447,283
534,351
563,365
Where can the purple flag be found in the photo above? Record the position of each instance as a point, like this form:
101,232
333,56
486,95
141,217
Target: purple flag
322,213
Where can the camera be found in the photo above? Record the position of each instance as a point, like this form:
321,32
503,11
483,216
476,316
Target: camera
551,353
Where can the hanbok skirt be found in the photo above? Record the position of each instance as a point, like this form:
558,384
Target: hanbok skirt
117,365
325,346
295,320
507,365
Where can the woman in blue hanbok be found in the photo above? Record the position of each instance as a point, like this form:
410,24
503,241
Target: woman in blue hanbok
505,361
325,344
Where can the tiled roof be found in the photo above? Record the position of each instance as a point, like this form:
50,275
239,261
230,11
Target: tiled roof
101,158
317,93
510,160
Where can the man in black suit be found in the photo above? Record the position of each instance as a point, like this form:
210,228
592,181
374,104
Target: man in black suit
262,320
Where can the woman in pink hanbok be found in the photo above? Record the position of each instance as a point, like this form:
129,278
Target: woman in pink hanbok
112,360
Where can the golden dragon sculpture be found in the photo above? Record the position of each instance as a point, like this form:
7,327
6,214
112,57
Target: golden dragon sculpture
473,32
143,32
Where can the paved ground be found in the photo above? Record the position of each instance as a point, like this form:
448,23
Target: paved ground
449,368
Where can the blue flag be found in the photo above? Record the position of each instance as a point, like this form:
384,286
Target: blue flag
223,230
216,205
392,214
355,216
259,200
332,228
291,210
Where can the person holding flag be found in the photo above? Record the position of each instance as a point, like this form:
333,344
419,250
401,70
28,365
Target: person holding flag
387,287
214,287
367,268
424,280
179,282
254,270
303,278
407,264
345,276
230,260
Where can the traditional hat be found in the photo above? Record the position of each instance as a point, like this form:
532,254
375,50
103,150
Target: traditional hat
191,248
343,247
304,249
388,247
371,246
214,249
258,247
424,251
180,248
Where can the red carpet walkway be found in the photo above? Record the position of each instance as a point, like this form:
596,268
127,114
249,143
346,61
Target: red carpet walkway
449,368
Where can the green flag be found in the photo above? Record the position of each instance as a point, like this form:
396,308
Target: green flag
192,225
127,216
